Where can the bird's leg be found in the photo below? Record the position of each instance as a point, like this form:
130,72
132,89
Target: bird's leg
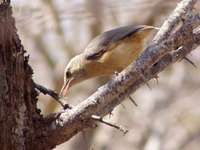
190,61
99,119
51,93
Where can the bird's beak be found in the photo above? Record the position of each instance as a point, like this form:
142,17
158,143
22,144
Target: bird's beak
65,87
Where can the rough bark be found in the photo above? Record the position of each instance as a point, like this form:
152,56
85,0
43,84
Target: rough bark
19,117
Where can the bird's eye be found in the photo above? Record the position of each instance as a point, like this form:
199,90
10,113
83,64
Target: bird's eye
68,74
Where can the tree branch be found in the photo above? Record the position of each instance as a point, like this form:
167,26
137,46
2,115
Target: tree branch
173,42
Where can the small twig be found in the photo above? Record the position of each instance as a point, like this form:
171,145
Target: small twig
132,100
47,91
99,119
190,61
51,93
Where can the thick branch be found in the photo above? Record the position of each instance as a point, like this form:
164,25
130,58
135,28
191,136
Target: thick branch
62,126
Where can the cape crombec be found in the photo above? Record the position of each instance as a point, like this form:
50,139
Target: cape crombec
106,54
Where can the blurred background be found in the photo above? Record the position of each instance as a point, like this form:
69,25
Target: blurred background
168,115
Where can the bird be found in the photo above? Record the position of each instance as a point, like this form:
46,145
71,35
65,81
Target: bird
106,54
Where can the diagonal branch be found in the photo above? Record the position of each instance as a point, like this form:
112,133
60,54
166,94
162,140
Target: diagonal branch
169,45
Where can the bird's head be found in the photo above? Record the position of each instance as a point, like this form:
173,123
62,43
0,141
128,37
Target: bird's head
79,69
74,73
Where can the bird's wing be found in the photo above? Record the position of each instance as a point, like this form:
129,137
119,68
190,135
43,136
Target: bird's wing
99,45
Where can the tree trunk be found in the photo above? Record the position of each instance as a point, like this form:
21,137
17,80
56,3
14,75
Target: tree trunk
19,117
